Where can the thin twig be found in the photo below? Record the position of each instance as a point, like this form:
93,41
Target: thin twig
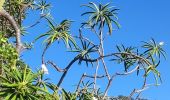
102,76
36,22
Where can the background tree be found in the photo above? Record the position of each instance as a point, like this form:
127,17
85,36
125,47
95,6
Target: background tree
18,81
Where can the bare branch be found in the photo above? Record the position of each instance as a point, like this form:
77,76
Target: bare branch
88,76
106,70
56,67
101,48
95,76
66,70
118,74
81,79
130,72
82,37
44,51
37,22
125,53
102,76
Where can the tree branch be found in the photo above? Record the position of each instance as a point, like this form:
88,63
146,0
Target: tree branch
56,67
89,76
95,76
120,53
118,74
81,79
5,14
66,70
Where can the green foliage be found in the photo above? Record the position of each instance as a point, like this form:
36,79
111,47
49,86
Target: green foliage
68,95
123,58
1,4
102,14
85,51
18,84
21,84
8,54
58,32
146,61
153,53
153,49
43,6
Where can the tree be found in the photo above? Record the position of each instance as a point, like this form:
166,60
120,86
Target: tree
18,81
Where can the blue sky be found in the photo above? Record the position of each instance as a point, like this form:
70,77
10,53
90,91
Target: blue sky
141,20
